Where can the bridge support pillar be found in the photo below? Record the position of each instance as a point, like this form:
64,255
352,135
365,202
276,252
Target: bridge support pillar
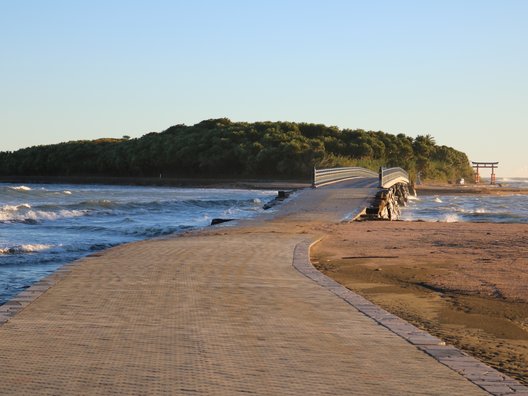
386,205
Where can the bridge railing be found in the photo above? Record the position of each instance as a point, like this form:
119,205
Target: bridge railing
391,176
322,177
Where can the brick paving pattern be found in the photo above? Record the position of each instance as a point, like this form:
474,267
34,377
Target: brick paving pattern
222,312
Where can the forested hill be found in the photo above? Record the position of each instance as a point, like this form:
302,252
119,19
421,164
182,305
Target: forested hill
221,148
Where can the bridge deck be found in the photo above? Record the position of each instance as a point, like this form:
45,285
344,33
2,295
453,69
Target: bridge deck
217,312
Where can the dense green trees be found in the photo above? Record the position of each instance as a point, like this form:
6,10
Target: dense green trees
221,148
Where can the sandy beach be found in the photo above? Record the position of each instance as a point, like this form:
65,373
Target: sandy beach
466,283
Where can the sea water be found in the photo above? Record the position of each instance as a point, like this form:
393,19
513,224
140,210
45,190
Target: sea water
45,226
511,208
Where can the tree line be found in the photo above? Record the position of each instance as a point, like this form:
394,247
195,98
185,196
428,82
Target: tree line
222,148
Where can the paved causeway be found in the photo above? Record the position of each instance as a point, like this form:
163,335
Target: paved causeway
223,312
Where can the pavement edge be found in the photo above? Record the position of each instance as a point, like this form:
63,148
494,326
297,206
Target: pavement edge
480,374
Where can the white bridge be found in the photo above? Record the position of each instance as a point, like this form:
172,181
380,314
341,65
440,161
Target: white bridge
387,177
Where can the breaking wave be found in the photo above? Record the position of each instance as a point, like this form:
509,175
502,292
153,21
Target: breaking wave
21,249
478,209
24,213
50,212
450,218
20,188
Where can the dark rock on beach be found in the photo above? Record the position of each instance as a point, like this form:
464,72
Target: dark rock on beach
220,221
281,196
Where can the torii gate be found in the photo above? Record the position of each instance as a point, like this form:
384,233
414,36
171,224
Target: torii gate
479,165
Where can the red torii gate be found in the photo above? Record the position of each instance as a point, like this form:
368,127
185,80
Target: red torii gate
479,165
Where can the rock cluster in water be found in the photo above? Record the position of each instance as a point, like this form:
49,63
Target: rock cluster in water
386,205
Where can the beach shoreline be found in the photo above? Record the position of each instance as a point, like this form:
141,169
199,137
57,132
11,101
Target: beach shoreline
462,282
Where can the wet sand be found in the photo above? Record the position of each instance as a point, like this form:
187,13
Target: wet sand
466,283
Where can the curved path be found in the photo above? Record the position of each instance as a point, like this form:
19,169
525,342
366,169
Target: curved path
218,312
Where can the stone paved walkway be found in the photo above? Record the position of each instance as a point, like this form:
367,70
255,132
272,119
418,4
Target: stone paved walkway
223,312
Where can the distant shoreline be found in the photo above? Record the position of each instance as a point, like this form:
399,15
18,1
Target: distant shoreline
475,189
265,184
256,184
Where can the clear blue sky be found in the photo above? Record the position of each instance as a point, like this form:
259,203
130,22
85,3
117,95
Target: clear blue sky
454,69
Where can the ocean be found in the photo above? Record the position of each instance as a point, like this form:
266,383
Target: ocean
511,208
45,226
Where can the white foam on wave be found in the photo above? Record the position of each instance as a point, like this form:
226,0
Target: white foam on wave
231,211
66,192
21,188
14,208
513,179
472,211
438,200
25,248
24,213
450,218
61,214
